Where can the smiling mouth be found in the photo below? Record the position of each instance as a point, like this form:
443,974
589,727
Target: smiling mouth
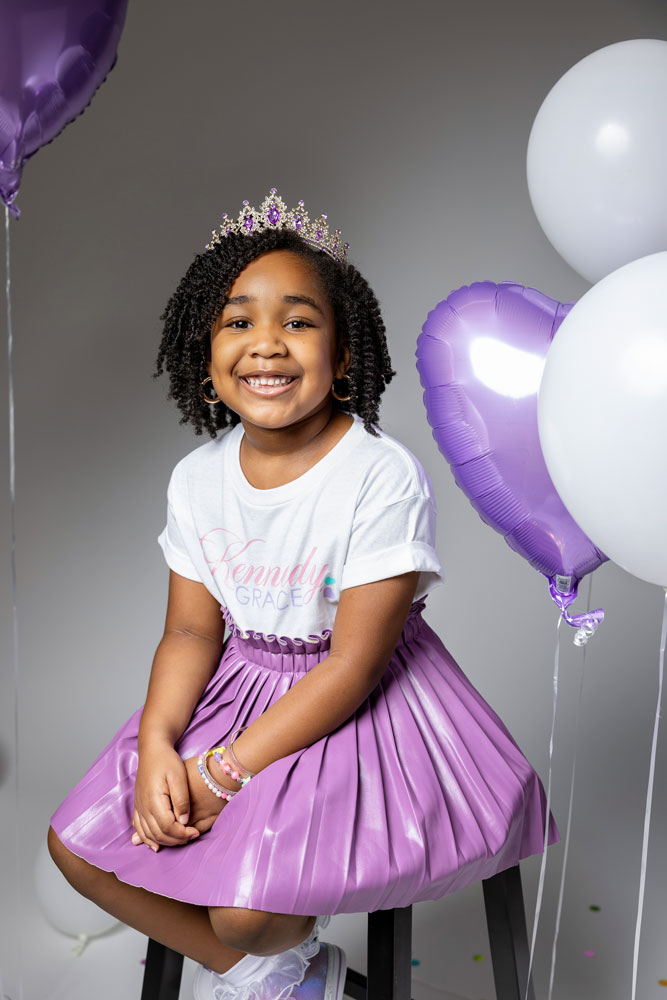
268,385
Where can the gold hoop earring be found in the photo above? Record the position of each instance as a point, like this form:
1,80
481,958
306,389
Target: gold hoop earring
341,399
209,379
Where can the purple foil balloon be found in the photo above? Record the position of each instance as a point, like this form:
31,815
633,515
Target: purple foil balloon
54,54
480,358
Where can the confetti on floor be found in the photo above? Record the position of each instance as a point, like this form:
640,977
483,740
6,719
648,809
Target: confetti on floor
478,958
415,961
662,982
142,961
594,908
589,954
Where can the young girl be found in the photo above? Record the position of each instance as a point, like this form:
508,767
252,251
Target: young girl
328,755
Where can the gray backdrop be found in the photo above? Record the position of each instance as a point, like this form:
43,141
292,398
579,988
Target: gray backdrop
408,124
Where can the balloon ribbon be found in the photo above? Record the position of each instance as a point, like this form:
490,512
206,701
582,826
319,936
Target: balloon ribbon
12,501
543,865
649,797
559,909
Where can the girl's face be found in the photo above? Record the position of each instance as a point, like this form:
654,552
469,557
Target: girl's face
273,346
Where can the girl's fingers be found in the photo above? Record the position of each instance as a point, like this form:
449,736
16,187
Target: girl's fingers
155,829
165,829
205,824
138,837
192,834
170,829
177,782
153,838
147,834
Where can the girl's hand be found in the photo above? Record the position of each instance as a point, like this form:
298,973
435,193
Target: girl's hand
162,799
205,807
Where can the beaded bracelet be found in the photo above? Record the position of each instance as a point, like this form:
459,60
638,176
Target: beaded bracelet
227,768
219,790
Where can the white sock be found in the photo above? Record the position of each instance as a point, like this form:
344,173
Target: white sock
286,969
247,970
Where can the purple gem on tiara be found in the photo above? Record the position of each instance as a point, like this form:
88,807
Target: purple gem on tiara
324,216
246,202
298,222
249,222
224,215
228,230
301,202
319,234
272,191
273,215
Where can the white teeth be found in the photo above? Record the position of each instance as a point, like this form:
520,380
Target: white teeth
268,380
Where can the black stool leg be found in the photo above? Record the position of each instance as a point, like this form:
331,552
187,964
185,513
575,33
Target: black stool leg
506,922
389,954
162,972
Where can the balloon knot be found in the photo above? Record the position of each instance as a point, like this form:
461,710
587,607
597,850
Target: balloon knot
82,941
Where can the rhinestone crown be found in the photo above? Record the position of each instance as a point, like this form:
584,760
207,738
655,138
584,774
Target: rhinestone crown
274,214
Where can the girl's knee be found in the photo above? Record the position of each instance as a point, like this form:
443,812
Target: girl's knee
240,928
78,872
57,849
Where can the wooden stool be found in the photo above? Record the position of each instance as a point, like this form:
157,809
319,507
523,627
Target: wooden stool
390,950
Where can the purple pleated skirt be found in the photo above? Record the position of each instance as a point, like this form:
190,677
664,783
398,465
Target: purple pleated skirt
419,793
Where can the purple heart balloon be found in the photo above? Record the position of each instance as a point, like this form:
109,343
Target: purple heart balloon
480,358
54,54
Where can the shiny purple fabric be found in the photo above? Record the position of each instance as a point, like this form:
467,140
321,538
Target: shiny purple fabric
419,793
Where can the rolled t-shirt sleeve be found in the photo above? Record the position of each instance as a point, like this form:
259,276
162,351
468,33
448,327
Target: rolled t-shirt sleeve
392,539
171,540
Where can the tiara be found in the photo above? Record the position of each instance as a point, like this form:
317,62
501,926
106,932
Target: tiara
274,214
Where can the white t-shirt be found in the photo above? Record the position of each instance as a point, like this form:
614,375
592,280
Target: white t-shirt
277,559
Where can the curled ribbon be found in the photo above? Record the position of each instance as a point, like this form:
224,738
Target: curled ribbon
585,623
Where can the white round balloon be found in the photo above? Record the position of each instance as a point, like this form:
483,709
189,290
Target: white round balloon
602,415
63,906
597,158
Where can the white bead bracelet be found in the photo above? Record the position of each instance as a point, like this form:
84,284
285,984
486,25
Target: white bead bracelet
219,790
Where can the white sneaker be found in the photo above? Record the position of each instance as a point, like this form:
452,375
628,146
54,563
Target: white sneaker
325,975
261,977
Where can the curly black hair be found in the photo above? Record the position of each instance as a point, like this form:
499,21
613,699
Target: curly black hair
198,300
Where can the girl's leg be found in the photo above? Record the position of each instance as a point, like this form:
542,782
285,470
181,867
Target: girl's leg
182,926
